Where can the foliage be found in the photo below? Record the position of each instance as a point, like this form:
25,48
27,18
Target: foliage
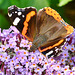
4,4
63,2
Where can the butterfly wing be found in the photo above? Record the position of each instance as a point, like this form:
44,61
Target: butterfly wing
49,23
24,19
52,27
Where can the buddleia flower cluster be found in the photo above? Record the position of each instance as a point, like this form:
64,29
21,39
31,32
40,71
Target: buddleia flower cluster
15,58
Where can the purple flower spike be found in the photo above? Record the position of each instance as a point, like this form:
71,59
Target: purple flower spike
15,58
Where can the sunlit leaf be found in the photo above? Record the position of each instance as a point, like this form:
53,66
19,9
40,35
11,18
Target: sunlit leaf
1,1
63,2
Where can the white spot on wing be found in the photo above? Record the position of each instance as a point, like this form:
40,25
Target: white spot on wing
9,15
15,11
49,53
19,13
23,16
56,50
16,21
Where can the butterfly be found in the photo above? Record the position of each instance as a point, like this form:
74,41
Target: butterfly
45,28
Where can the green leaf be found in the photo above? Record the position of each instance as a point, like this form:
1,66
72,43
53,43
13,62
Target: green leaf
40,4
22,3
1,1
5,4
15,2
3,22
26,3
63,2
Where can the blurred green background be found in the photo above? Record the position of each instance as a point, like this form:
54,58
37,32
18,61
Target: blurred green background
66,9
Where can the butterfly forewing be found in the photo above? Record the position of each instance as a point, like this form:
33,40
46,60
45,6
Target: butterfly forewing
24,19
49,26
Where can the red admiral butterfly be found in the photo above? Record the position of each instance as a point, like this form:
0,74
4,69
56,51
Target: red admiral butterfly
45,28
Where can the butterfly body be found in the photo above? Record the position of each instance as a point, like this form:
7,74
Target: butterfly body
45,28
38,41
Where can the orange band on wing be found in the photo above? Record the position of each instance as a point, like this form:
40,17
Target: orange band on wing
28,17
25,28
50,47
57,17
69,29
53,13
